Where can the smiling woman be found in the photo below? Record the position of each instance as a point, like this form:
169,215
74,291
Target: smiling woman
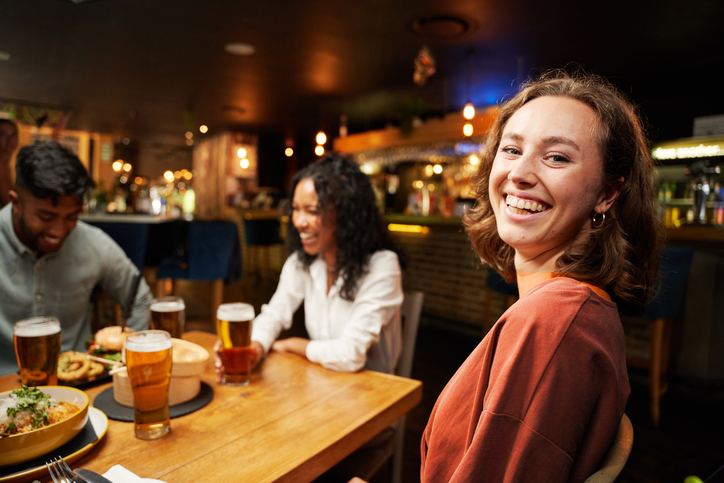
564,187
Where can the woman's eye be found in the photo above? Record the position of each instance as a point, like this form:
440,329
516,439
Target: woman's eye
511,150
559,158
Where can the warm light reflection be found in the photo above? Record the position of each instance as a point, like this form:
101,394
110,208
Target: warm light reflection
431,187
474,159
321,138
189,142
418,184
289,152
469,111
203,129
241,153
189,135
244,163
138,180
188,175
117,165
408,228
177,174
468,129
319,150
168,176
437,169
428,170
127,167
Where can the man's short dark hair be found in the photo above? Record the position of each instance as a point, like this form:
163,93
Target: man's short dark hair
48,170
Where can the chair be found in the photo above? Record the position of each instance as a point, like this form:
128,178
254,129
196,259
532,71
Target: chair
260,235
666,305
496,283
213,255
617,455
131,237
367,461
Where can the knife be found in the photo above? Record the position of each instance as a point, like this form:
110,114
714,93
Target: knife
128,308
92,476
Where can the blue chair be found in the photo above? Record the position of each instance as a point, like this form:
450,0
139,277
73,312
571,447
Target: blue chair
213,254
259,236
131,237
496,283
661,310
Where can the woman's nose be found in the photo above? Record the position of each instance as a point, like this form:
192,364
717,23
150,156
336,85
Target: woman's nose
523,171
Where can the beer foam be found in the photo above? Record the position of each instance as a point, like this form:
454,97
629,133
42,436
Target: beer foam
37,327
148,341
168,306
237,312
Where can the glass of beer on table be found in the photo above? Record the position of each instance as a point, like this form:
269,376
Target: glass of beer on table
168,313
37,348
233,326
149,361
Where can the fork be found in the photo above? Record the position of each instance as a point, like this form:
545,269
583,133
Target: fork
60,472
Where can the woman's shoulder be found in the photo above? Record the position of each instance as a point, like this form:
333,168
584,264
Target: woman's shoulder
384,259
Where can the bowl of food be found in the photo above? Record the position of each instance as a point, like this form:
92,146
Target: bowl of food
39,420
189,361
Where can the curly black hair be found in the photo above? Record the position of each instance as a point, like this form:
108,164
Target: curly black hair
346,193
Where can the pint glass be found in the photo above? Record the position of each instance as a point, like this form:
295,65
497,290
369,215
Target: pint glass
37,348
167,313
148,359
233,325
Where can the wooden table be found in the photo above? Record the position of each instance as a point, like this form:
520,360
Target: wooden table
291,424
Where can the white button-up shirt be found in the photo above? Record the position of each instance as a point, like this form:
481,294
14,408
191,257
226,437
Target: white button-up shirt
345,336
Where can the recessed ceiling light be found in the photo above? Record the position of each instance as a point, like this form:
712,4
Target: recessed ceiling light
239,48
4,55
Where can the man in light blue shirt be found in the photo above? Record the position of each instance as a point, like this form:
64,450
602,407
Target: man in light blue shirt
50,261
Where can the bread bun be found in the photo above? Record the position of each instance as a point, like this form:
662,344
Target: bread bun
112,339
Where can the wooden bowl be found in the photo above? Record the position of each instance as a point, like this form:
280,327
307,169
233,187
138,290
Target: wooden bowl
26,446
189,361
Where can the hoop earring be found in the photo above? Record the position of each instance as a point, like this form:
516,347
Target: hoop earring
598,219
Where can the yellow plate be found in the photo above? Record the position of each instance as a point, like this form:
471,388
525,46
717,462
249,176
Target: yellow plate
99,421
27,446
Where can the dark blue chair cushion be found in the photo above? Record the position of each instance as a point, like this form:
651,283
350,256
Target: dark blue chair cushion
671,285
213,253
131,237
262,232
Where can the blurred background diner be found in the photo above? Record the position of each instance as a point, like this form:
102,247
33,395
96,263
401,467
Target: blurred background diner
192,118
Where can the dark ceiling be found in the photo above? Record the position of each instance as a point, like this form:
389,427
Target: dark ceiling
150,70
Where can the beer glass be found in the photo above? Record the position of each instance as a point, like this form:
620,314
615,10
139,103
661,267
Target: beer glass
233,326
37,348
149,361
167,313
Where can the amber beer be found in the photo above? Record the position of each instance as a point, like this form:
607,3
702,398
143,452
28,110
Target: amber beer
233,325
168,313
149,361
37,348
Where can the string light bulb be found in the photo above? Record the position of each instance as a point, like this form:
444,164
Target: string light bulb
289,152
321,138
469,111
468,129
319,150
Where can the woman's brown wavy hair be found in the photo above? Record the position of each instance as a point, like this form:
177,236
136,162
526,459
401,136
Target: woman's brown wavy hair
622,256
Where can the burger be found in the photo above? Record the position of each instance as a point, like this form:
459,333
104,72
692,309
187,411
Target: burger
108,342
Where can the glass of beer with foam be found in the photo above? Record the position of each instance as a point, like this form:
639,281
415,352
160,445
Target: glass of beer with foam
233,326
149,361
37,348
168,313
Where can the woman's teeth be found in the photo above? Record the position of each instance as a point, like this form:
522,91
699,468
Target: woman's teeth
305,236
521,206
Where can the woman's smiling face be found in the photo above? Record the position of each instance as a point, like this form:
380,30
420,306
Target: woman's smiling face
547,179
316,231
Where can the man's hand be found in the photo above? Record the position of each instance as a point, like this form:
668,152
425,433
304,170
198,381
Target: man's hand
295,345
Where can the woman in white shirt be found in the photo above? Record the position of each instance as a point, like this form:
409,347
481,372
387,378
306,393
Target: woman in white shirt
344,267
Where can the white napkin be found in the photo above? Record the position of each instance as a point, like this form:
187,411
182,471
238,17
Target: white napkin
118,474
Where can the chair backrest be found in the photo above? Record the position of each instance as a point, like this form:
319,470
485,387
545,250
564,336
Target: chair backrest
497,283
262,232
617,455
131,237
411,309
671,284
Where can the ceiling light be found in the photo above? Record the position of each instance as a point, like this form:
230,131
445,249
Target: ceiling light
239,48
289,152
203,129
